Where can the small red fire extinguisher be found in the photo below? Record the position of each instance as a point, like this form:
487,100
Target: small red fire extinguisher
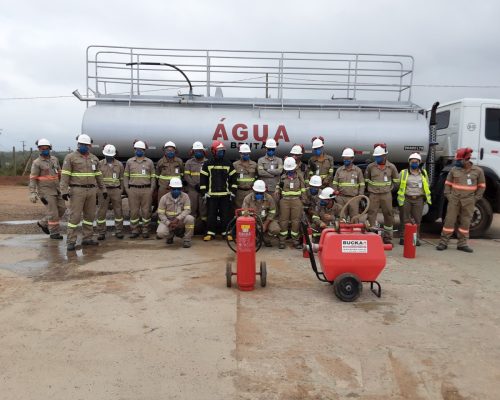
410,247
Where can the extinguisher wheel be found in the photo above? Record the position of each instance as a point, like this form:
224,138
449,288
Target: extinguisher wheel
263,274
229,274
347,287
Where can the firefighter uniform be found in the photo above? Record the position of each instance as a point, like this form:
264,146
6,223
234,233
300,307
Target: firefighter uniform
323,166
112,176
180,209
323,217
292,190
79,177
139,182
44,181
245,172
192,170
266,210
218,182
380,180
310,201
167,169
269,170
463,188
349,182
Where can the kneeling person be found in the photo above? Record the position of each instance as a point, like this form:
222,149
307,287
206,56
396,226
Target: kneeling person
174,212
325,212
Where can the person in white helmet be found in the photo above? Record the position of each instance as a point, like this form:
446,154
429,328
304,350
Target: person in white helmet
270,167
174,212
381,177
80,179
167,167
44,185
321,163
246,170
192,170
414,191
292,189
348,182
297,151
326,210
112,176
265,207
311,198
139,181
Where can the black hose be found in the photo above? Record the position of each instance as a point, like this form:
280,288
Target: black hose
259,233
168,65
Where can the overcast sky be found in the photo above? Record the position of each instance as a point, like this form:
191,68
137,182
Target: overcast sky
42,45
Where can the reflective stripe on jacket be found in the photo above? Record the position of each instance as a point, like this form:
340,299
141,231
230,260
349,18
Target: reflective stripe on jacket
403,182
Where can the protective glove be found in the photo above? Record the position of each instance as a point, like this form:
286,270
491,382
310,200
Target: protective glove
206,196
65,196
33,197
173,223
105,195
44,201
232,196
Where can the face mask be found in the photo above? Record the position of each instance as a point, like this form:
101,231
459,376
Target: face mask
259,196
317,152
45,153
220,154
290,173
414,165
347,162
379,159
323,203
109,160
459,163
270,152
83,149
175,193
245,157
170,154
198,154
139,153
314,191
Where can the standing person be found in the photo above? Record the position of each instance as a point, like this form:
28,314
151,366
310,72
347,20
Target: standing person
140,183
246,170
321,163
413,192
265,207
292,189
464,186
297,151
44,185
381,177
112,176
270,167
349,182
192,177
174,211
79,177
218,186
168,167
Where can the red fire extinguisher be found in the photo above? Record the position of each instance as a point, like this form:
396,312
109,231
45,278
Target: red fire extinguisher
245,252
410,239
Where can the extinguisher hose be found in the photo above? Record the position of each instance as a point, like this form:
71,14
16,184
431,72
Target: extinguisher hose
355,198
259,233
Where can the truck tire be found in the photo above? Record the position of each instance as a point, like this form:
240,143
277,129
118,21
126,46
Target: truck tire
481,219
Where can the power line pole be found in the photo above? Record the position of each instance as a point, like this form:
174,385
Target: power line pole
23,142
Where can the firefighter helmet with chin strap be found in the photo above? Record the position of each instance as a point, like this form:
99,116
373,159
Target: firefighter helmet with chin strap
463,153
216,145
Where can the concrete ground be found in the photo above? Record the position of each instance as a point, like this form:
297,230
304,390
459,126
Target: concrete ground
135,320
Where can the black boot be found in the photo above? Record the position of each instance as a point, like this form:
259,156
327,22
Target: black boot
441,247
56,236
465,248
71,246
119,235
45,229
89,242
101,236
134,235
401,242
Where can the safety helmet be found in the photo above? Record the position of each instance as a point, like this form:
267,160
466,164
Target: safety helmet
315,181
317,143
197,146
139,144
216,145
84,139
270,144
43,142
296,149
379,151
463,153
415,156
289,164
169,144
244,148
175,183
327,194
259,186
348,152
109,150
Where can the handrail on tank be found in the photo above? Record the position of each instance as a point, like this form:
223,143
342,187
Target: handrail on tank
251,73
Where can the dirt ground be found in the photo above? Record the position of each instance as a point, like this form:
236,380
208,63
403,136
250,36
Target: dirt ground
137,320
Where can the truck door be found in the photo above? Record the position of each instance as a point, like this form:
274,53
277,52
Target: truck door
489,146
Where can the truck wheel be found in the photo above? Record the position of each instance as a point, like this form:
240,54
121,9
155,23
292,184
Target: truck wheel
347,287
263,274
481,219
229,274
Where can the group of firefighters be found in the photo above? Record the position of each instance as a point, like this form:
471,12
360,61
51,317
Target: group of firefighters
208,187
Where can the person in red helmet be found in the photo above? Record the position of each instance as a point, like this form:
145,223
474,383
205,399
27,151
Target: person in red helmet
464,186
218,185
